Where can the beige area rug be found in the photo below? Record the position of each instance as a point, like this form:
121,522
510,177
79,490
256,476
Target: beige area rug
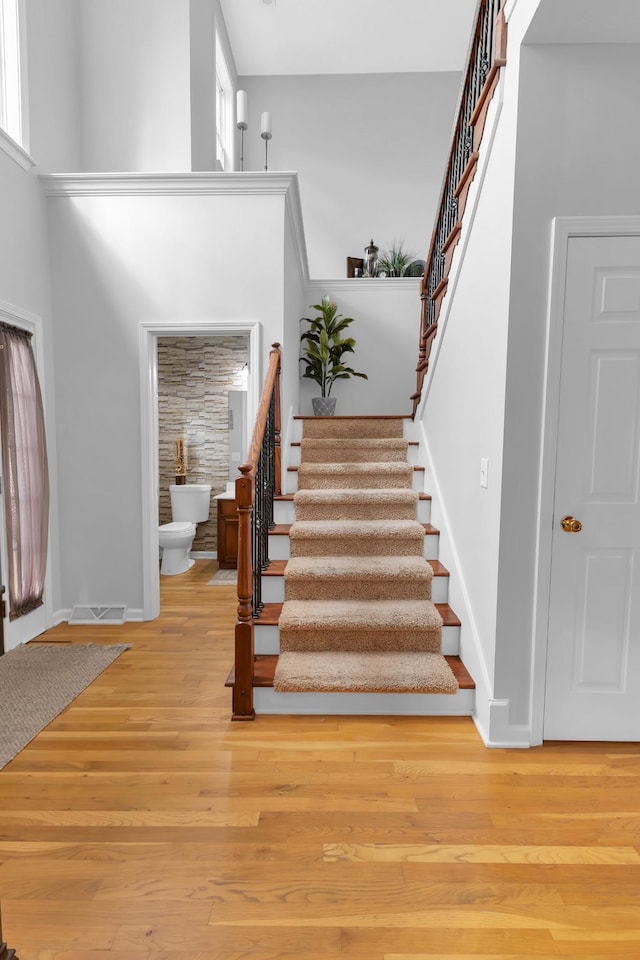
224,578
37,683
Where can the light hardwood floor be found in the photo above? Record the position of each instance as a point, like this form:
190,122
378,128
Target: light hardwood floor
144,824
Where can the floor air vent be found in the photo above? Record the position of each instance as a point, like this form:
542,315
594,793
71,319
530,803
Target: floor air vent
105,614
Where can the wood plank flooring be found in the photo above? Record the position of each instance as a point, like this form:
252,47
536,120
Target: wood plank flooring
143,823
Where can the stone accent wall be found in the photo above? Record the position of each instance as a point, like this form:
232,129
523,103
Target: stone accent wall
195,375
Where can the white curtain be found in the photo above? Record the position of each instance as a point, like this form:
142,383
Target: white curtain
25,471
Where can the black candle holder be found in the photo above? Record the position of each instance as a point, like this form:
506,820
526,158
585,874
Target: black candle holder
266,136
242,126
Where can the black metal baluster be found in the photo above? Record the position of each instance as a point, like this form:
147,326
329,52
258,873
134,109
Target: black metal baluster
263,509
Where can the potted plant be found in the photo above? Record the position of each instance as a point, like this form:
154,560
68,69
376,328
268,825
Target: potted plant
323,352
397,262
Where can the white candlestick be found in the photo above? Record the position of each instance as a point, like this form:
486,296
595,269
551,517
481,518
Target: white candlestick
241,108
265,123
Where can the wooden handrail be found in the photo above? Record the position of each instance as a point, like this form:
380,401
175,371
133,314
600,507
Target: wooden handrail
263,468
487,55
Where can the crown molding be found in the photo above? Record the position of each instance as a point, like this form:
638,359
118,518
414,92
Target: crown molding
381,284
168,184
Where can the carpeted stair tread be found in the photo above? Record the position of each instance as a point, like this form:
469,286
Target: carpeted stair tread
360,625
388,529
358,578
353,450
269,615
378,672
354,475
357,614
326,538
333,427
395,503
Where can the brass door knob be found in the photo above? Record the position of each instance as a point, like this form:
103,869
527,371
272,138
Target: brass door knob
571,525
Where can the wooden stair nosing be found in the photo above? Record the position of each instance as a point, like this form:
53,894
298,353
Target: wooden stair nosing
264,667
269,616
288,497
364,416
411,443
417,469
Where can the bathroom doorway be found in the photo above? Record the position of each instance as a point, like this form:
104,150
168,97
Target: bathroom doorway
200,380
150,335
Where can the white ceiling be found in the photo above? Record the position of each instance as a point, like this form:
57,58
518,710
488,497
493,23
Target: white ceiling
287,37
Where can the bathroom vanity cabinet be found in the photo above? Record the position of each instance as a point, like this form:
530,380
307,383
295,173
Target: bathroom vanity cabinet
227,532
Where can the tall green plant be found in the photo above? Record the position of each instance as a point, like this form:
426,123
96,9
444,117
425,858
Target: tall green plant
324,347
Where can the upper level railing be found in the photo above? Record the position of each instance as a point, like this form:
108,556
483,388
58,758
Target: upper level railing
259,482
486,56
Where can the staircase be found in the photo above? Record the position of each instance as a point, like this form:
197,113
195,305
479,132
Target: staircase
355,617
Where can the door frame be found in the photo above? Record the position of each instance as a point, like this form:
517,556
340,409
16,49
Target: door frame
562,230
31,322
148,341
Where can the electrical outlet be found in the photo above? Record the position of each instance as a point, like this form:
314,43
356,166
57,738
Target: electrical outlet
484,472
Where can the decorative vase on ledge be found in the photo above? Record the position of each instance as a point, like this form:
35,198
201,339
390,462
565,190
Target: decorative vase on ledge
323,406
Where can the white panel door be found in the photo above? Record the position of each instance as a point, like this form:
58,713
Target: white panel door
593,655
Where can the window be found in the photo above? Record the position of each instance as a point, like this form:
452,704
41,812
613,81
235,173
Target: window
224,111
11,119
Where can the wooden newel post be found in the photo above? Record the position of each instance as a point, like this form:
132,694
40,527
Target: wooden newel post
242,708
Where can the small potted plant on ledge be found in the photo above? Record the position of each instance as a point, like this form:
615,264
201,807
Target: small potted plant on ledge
323,351
397,262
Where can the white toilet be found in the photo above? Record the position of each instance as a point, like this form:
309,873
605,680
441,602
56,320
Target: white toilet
190,504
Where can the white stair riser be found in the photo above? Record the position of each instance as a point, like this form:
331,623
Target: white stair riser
291,481
284,511
273,589
279,546
460,704
267,640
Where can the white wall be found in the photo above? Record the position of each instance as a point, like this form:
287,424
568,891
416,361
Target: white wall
370,152
579,155
463,413
53,53
386,316
25,284
135,97
293,309
485,387
202,44
118,261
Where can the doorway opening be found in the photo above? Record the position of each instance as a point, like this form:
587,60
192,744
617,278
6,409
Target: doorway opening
150,333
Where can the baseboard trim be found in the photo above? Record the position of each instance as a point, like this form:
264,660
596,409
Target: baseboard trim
500,733
133,615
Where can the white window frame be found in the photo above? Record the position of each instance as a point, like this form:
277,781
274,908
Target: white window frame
224,109
13,71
